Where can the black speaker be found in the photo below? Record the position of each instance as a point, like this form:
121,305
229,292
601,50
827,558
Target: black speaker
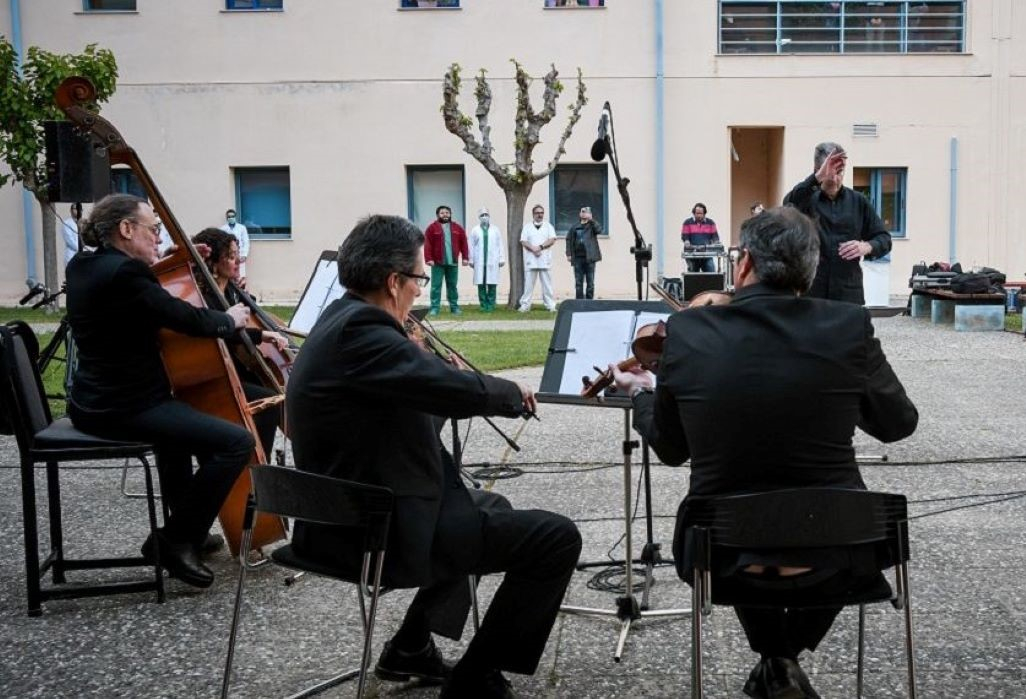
697,282
75,170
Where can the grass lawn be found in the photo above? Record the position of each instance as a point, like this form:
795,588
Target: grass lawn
29,315
1013,321
500,349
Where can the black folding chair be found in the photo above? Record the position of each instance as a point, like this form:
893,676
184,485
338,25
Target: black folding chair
321,500
805,518
41,439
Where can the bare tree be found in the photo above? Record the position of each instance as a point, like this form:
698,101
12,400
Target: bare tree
517,178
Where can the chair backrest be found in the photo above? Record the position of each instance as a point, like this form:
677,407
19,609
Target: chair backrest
23,396
318,499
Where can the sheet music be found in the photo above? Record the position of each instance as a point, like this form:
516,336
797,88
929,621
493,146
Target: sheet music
324,288
598,339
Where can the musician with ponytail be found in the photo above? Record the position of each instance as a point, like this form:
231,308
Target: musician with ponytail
116,308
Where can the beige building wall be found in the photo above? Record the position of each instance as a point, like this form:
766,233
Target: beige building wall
347,94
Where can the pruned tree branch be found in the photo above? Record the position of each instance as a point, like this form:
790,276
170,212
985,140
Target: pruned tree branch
575,116
458,124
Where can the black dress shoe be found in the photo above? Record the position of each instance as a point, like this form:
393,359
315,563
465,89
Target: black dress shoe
490,685
180,560
427,665
212,544
782,679
753,687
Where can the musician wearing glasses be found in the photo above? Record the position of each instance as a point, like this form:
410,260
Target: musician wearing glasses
365,403
764,393
116,307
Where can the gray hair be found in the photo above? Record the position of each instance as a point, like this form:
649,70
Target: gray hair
823,151
378,246
109,212
784,246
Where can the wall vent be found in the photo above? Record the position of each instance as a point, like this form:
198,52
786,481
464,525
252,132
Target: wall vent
863,130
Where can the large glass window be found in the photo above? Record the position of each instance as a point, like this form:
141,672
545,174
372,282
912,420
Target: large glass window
409,4
574,186
842,26
431,186
254,4
108,5
263,201
885,190
575,3
124,181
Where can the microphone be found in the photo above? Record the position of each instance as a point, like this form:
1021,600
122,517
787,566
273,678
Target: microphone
33,292
600,148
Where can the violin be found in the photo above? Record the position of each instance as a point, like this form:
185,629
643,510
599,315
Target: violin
647,347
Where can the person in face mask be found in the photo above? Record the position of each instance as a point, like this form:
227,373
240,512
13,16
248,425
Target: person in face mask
233,226
487,255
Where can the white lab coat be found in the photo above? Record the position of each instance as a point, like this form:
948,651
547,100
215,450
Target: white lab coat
496,254
70,230
242,235
537,236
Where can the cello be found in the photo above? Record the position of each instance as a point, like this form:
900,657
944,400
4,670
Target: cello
199,370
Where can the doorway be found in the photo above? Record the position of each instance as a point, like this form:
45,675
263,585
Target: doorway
755,173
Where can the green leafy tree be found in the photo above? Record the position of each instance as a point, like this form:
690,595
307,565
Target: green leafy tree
26,101
516,179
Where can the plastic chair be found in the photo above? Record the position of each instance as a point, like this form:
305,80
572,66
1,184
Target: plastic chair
804,518
41,439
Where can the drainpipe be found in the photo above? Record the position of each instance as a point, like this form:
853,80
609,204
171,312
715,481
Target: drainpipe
953,204
660,141
27,201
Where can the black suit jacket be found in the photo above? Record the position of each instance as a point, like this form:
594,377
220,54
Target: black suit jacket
116,307
765,393
363,404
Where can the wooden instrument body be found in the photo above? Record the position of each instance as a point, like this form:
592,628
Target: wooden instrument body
200,370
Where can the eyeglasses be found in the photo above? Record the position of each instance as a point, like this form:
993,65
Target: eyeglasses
539,213
420,280
154,229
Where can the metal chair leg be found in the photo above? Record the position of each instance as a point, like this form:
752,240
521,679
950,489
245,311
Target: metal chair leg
910,651
472,579
861,651
124,482
369,630
247,537
696,636
151,508
31,526
53,497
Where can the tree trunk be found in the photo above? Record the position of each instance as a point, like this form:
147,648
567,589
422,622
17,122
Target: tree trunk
516,201
49,249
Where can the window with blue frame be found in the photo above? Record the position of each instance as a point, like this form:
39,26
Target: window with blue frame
108,5
885,189
842,26
124,181
431,186
254,4
421,4
263,201
575,3
574,186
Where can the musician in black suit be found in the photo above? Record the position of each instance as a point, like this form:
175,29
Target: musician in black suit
765,393
116,308
366,403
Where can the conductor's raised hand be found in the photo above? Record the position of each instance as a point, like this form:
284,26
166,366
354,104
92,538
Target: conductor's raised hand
240,314
832,167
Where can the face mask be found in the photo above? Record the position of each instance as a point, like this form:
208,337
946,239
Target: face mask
231,220
485,219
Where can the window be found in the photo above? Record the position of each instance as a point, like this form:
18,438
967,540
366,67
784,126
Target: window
108,5
885,190
574,186
412,4
575,3
430,186
842,26
124,181
263,201
254,4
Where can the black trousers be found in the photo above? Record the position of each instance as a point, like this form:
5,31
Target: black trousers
179,432
537,551
782,632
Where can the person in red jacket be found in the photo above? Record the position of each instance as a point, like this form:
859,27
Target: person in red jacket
445,246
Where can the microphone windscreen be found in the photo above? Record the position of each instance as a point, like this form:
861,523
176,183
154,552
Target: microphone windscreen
598,150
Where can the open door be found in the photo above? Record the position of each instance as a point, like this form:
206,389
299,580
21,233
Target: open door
755,174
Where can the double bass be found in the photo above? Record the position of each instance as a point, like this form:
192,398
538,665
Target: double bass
199,370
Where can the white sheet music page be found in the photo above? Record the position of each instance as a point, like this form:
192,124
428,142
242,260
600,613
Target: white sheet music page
324,288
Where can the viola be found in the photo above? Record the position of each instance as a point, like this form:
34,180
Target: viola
647,347
200,370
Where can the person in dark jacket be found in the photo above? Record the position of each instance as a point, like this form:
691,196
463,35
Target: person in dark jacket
699,230
116,308
582,252
849,227
365,403
765,393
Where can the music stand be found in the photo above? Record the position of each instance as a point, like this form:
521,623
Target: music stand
322,288
599,333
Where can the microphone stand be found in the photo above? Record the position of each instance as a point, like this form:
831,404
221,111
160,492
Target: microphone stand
641,250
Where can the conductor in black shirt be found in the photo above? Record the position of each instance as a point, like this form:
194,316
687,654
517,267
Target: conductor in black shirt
849,227
116,308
